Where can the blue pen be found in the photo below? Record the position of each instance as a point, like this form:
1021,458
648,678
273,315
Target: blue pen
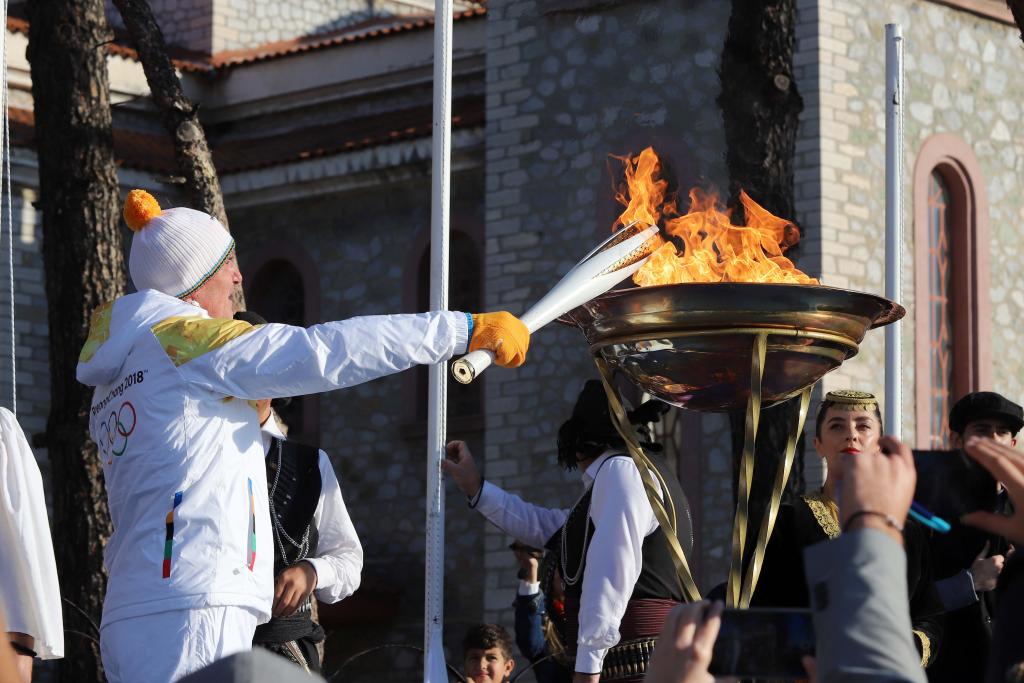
929,519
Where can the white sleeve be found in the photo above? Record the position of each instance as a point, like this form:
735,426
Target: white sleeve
29,592
622,519
339,555
270,361
524,521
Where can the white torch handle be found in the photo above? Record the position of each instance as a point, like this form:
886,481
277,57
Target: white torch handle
585,281
472,364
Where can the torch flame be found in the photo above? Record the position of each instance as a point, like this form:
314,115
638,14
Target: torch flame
712,248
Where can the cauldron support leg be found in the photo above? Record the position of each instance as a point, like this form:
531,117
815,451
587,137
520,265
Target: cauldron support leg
770,515
666,516
746,473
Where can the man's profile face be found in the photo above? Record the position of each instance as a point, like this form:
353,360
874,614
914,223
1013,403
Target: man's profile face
985,428
215,294
487,666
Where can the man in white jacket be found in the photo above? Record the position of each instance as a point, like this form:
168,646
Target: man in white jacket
190,560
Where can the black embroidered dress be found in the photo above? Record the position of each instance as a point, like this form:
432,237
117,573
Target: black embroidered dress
812,519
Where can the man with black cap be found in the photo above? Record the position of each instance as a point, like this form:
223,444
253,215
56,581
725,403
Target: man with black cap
970,560
615,564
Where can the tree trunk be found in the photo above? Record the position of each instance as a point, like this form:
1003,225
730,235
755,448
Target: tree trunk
179,115
84,268
1017,10
760,110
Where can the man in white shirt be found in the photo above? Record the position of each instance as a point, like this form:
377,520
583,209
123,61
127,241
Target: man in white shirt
315,548
620,580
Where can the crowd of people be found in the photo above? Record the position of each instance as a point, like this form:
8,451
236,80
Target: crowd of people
226,533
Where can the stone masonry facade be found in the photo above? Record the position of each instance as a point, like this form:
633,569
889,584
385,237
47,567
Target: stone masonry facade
959,79
30,319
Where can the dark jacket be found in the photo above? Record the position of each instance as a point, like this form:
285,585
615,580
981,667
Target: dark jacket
529,613
968,630
808,521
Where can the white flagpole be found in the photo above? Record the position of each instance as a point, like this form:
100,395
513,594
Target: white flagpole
894,225
434,670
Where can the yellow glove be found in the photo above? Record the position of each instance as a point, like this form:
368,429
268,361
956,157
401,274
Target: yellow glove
502,333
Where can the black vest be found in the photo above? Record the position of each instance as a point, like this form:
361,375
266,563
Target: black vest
296,493
294,488
658,578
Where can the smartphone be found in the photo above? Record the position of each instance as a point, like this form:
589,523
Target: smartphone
951,484
763,643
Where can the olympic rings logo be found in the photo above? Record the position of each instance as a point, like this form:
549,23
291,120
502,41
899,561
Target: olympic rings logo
116,429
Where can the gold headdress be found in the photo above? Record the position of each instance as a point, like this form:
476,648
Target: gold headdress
848,399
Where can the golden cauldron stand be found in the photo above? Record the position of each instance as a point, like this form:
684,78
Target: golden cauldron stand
714,347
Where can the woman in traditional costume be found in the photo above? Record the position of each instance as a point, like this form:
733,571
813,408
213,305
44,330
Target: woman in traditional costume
848,423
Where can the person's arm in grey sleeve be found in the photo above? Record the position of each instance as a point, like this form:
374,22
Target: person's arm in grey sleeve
858,589
957,591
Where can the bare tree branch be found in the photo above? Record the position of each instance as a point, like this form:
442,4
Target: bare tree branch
180,116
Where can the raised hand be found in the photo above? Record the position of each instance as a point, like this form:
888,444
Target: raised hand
985,570
1006,464
461,467
877,488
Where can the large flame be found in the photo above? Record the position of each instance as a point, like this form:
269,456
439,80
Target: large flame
711,249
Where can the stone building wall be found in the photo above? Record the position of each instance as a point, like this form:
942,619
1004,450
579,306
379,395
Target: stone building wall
238,24
32,350
569,83
808,181
185,23
960,79
211,26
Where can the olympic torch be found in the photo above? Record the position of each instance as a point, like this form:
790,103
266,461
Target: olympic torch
608,264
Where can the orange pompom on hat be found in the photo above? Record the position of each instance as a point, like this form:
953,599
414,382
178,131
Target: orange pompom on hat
174,251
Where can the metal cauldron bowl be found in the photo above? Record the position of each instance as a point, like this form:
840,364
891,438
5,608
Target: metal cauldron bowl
691,344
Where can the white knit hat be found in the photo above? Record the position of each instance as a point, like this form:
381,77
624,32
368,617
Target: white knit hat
174,251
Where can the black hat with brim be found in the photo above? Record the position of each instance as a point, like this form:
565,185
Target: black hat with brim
985,405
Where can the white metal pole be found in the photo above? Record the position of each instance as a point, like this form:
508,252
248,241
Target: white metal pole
433,624
894,224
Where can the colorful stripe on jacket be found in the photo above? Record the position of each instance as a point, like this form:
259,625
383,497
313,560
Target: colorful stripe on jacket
169,539
251,560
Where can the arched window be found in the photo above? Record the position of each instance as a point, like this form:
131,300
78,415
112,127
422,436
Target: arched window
282,288
939,308
277,288
950,283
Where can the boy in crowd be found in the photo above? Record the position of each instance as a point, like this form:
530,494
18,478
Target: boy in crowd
487,654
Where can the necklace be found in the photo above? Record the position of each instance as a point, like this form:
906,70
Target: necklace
574,579
279,532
